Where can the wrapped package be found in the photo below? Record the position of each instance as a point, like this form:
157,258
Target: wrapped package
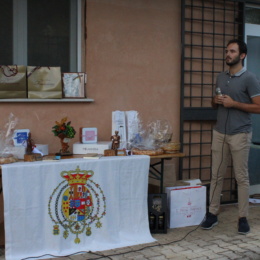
6,140
133,126
160,131
74,84
141,139
153,136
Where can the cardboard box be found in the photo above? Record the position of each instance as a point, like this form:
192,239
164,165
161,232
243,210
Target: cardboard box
186,205
18,151
99,147
188,182
43,148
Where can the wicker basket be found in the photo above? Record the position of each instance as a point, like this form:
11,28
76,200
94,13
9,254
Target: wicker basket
8,159
171,147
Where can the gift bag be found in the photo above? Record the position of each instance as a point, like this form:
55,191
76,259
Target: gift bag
186,205
13,82
74,84
44,82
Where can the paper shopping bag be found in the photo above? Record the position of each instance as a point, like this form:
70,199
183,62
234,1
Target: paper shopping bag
13,81
44,82
74,84
186,205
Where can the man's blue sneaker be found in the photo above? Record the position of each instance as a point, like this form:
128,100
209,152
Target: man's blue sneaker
210,221
243,227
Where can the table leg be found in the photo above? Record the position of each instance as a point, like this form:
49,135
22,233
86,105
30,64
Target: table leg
162,175
158,174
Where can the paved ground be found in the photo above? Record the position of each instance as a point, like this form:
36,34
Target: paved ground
222,242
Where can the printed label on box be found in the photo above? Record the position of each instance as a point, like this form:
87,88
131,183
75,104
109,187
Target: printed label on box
99,147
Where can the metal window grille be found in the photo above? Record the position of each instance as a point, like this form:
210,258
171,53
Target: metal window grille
207,26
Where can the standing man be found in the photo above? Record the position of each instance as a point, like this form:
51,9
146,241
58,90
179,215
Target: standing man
237,95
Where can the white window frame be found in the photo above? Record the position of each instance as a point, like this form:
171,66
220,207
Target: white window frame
20,34
251,30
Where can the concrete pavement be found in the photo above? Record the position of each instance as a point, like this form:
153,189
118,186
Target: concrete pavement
221,243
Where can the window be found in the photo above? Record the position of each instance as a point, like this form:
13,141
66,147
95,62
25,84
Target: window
252,14
252,38
37,33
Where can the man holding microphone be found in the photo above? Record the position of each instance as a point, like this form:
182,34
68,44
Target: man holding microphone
237,95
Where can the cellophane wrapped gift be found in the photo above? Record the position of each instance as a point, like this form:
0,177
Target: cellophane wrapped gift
151,136
13,81
44,82
6,140
74,84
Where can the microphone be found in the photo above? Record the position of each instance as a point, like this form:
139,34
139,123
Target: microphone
218,92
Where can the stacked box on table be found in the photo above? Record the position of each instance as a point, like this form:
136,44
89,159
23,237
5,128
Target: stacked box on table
43,148
19,151
99,147
186,205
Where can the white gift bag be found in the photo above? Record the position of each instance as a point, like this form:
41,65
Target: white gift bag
186,205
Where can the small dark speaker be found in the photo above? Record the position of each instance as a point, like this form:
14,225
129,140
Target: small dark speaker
157,212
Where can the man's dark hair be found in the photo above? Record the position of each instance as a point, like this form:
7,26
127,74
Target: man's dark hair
242,45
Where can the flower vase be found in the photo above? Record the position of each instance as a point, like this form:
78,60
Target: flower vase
64,145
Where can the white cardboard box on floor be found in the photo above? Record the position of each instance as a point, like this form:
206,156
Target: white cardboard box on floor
186,205
99,147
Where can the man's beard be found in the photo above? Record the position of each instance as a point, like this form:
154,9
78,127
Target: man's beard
235,61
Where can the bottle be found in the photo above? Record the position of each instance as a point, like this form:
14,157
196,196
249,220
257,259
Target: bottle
161,222
152,221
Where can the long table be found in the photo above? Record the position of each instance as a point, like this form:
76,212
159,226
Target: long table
58,208
157,173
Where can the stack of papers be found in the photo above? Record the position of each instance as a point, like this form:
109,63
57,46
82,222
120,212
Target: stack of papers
92,156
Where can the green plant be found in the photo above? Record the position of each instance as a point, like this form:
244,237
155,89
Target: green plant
63,129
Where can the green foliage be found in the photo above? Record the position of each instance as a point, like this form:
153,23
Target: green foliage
64,128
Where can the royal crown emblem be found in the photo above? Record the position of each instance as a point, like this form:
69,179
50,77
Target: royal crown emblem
77,177
78,203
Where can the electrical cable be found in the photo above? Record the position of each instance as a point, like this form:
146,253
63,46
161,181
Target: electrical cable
222,156
117,254
161,244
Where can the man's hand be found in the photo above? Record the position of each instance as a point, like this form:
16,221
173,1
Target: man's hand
218,99
227,101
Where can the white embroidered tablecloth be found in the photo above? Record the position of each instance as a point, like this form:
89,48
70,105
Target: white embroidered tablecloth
75,205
